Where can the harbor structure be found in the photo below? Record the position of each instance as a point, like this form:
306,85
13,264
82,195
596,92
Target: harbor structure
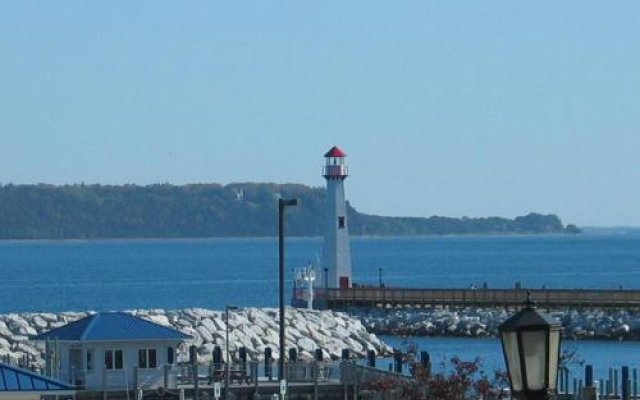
110,349
336,254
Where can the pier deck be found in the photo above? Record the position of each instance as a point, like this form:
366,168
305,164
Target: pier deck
547,298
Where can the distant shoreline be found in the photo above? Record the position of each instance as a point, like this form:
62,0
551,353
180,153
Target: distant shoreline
319,238
212,210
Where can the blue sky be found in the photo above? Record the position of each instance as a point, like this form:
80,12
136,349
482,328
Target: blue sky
460,108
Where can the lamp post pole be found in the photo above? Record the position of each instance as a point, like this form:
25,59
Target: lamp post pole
282,204
227,369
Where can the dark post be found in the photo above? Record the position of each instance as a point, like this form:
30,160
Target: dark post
242,354
217,358
193,359
293,354
281,206
193,355
397,358
425,361
588,375
380,276
625,383
371,358
267,362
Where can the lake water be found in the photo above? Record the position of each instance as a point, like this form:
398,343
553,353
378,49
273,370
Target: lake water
115,275
170,274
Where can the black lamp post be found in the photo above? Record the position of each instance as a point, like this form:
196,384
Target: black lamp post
282,204
531,347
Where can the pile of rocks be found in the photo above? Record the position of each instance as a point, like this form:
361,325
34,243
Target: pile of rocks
253,328
478,322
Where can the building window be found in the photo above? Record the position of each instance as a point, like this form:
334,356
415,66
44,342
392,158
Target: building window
147,358
113,359
341,222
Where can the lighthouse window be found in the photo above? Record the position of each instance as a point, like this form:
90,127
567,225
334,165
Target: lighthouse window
340,222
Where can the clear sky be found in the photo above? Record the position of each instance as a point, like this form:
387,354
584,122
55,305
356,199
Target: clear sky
455,108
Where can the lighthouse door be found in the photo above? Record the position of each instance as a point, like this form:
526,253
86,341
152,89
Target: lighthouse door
344,282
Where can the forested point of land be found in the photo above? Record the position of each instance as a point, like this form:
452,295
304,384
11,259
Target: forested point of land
210,210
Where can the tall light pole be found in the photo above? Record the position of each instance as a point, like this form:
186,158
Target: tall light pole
227,380
282,204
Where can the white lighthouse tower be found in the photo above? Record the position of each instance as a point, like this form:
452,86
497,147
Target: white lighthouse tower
336,255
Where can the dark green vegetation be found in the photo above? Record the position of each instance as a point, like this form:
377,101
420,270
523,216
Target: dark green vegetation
207,210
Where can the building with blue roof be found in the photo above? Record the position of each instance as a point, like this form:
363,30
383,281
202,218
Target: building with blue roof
111,350
18,383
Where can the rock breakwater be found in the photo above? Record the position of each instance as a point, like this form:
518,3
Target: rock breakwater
253,328
480,322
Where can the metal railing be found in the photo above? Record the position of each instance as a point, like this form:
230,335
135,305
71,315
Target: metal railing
374,296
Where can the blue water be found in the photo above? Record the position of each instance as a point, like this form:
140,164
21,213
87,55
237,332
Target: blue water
170,274
114,275
601,355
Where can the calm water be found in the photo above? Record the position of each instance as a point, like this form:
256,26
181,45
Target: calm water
116,275
602,355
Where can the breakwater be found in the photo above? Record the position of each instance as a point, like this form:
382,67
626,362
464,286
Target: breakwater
481,322
252,328
355,329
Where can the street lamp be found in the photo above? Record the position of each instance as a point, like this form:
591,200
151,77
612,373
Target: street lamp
531,347
282,204
227,380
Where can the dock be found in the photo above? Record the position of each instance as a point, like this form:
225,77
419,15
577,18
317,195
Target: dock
383,297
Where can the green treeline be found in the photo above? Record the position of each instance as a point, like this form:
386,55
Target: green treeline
211,210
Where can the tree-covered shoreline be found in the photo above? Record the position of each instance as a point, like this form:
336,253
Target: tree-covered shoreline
81,211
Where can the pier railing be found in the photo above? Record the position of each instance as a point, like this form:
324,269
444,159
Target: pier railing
620,383
550,298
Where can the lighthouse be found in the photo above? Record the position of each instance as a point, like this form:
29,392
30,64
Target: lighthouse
336,254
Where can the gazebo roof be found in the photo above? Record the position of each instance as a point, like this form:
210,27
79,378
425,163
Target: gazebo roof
110,326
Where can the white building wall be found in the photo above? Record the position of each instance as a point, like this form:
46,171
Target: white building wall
336,256
94,377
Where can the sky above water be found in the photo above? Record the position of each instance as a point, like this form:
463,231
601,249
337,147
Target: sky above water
455,108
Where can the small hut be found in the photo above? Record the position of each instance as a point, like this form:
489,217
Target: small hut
111,350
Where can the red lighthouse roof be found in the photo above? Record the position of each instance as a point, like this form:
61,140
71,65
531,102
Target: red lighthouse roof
335,152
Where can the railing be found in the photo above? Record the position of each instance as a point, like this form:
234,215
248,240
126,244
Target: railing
619,384
354,374
335,170
368,296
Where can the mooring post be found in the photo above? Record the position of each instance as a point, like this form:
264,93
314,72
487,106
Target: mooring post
635,383
625,383
371,358
397,357
267,362
588,375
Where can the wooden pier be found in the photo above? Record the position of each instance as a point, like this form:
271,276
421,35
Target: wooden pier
546,298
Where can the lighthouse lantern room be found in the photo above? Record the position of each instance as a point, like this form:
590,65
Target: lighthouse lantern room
336,255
